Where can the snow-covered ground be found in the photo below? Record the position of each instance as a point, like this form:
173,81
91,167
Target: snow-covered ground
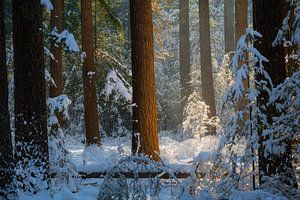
178,155
175,153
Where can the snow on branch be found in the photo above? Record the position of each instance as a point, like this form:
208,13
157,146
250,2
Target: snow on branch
66,39
47,4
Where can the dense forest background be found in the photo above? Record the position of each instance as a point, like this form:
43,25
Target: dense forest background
149,99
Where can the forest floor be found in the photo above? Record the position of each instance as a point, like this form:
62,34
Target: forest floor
176,154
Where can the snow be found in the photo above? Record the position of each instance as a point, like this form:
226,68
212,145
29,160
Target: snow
255,195
49,78
48,5
114,82
176,155
67,38
174,152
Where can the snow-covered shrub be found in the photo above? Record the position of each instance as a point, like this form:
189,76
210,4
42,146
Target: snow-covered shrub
150,185
196,120
113,188
239,144
116,107
240,139
60,164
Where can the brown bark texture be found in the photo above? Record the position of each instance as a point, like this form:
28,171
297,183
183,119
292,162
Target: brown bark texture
6,150
89,71
145,130
241,18
184,54
30,93
267,19
208,94
229,25
56,71
241,23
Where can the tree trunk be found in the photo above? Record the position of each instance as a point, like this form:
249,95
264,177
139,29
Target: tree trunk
241,18
241,24
267,19
206,63
184,53
30,94
56,71
145,130
6,151
229,25
89,70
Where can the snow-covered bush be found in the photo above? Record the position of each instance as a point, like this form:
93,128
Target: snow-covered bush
237,149
240,136
116,106
145,182
60,163
196,120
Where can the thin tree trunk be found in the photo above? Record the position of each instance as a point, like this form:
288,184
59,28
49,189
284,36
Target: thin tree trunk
206,61
241,18
184,54
56,71
89,70
145,130
229,25
30,94
6,151
267,19
95,24
241,24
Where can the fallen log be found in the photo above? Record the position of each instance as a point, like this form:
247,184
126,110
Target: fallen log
86,175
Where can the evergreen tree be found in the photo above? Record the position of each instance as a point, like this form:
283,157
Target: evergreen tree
145,130
89,71
184,53
241,18
56,71
30,95
267,19
6,150
241,23
207,82
229,25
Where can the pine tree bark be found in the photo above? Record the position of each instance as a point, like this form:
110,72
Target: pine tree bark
30,93
206,61
56,71
145,130
241,24
241,18
229,25
89,88
267,19
6,150
184,54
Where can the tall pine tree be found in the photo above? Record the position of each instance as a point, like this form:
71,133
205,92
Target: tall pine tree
145,130
229,25
184,53
30,95
267,19
89,72
207,82
56,71
6,150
